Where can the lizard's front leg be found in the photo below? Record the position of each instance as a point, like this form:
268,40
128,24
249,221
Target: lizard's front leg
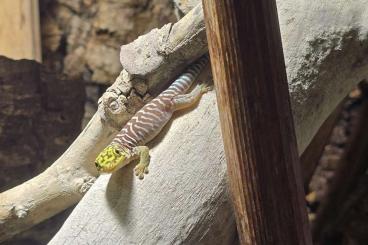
183,101
144,158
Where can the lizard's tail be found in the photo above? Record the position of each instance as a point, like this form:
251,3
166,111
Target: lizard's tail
183,83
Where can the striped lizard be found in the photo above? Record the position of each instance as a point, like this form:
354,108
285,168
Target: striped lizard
130,143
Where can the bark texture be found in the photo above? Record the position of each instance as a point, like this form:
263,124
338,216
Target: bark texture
257,126
184,198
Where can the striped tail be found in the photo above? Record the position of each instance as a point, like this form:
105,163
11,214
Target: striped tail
183,82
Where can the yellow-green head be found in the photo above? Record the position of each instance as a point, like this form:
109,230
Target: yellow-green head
110,159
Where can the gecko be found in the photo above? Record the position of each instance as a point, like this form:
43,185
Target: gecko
130,143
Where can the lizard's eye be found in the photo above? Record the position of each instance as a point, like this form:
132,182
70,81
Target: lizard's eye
117,151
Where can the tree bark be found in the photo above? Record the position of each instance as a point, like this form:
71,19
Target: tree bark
184,198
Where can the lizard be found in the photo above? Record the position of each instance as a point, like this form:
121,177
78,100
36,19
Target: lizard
130,143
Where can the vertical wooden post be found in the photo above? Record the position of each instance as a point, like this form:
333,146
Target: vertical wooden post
256,121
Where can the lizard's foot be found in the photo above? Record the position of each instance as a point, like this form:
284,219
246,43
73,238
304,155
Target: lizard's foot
144,159
205,87
140,170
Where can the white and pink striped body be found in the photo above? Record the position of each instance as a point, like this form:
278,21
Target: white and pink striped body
149,120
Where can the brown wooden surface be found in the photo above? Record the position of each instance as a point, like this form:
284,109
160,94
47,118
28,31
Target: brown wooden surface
256,121
20,29
344,192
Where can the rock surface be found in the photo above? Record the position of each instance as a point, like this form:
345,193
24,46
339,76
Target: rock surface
40,115
82,38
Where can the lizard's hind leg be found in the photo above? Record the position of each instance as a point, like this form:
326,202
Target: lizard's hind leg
183,101
144,158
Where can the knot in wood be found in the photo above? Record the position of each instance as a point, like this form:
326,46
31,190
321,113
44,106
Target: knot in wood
113,109
20,211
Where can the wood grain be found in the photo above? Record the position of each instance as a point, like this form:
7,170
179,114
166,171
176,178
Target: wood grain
20,29
256,121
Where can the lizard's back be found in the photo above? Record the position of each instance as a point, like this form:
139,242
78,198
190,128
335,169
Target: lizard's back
150,120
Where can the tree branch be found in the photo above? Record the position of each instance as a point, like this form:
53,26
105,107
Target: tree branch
67,179
184,198
188,180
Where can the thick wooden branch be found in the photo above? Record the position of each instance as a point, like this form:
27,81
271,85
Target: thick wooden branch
158,55
256,122
184,198
66,180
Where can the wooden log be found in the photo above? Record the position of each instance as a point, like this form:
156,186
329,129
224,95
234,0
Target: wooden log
20,29
257,125
310,157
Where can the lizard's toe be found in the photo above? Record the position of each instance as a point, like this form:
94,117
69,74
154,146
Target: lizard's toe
140,170
205,87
